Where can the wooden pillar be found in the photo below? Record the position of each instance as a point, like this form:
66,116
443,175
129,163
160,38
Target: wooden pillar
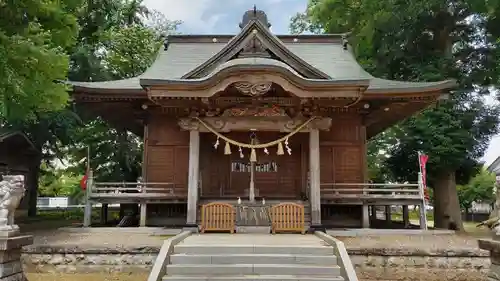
143,206
314,174
406,216
423,218
104,214
193,177
373,213
366,216
87,216
388,214
251,190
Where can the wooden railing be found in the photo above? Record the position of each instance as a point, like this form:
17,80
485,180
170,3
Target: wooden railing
288,217
138,190
371,191
218,217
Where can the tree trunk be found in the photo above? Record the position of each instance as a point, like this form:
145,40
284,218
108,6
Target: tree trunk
447,213
32,186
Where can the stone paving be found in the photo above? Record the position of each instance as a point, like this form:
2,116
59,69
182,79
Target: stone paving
254,239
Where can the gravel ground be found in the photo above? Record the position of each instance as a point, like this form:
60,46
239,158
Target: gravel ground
123,239
104,239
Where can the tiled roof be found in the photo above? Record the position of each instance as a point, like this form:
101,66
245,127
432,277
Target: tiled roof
495,166
329,57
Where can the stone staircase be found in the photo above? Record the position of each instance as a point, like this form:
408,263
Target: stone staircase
268,260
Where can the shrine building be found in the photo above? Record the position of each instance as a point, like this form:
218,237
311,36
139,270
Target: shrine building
256,119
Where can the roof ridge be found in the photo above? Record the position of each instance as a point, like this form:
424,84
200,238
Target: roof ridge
255,30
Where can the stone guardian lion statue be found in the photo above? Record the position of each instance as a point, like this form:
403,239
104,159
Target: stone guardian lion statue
11,192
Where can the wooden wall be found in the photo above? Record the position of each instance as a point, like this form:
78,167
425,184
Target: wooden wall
167,153
219,180
343,151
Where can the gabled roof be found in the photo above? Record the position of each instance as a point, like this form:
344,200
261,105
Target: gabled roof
191,58
495,166
10,135
260,37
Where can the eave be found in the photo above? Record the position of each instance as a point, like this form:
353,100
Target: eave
233,72
394,110
382,88
8,135
495,167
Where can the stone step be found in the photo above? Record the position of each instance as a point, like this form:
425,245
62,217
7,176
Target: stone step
255,269
204,249
253,278
327,260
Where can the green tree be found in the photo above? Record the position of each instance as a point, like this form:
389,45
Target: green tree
377,154
51,130
479,189
116,154
57,182
129,50
427,41
33,37
134,12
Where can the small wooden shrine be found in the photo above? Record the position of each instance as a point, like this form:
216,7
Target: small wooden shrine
255,116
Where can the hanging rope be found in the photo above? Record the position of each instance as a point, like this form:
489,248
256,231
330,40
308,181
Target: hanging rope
256,146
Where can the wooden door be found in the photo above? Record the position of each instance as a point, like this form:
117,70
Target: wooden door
284,178
213,168
267,174
239,176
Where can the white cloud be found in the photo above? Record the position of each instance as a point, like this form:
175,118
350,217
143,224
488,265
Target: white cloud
493,150
191,13
223,16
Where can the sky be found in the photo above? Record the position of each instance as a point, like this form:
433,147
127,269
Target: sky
223,17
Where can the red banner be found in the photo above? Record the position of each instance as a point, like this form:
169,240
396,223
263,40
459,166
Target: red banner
83,182
422,160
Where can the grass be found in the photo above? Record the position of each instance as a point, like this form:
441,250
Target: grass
470,227
414,215
53,219
86,277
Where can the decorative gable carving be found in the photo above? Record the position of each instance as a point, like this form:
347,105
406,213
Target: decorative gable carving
256,40
253,86
254,48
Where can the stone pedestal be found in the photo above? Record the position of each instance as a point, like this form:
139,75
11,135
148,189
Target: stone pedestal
11,268
492,245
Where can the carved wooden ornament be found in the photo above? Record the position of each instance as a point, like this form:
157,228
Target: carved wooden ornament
254,89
